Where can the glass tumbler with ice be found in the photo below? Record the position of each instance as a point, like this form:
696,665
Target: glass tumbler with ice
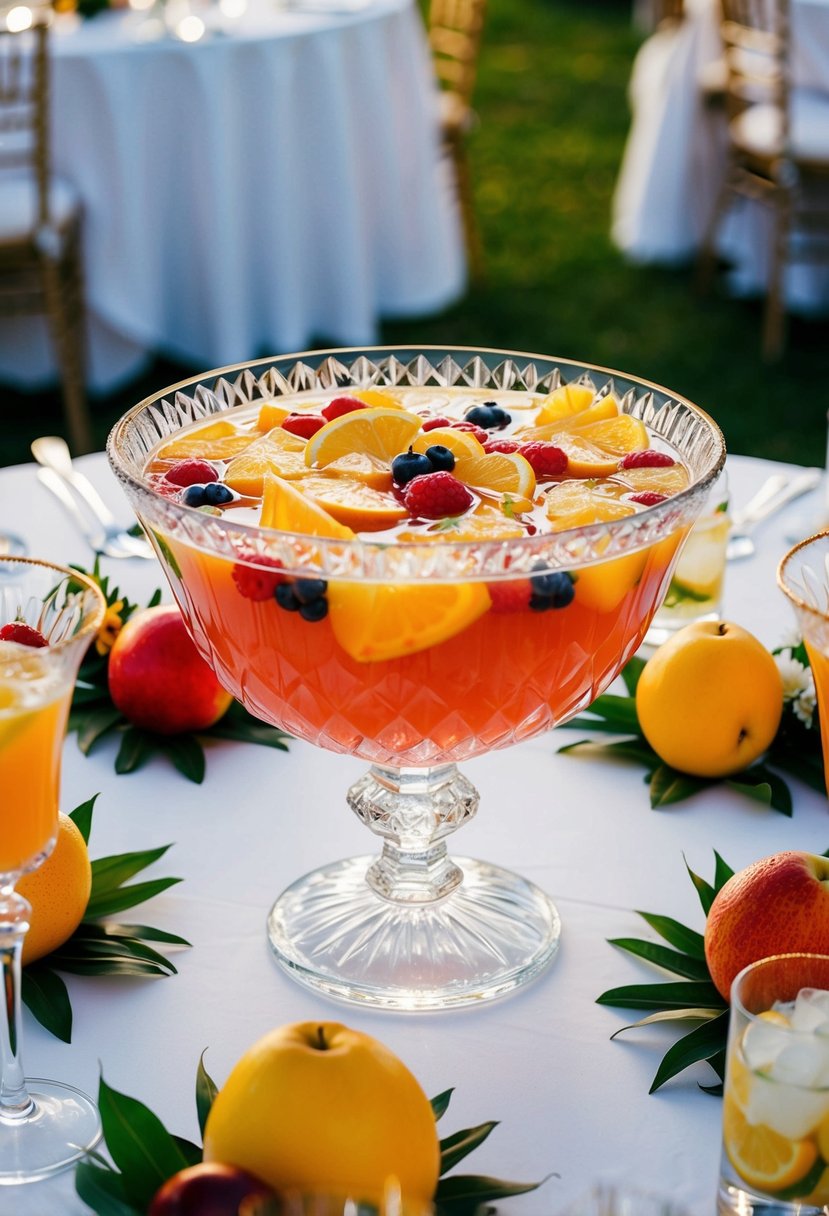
775,1158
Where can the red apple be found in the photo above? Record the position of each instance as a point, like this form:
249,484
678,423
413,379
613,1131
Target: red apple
158,679
779,905
209,1189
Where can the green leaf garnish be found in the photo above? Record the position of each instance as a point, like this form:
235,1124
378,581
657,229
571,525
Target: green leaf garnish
143,1150
206,1090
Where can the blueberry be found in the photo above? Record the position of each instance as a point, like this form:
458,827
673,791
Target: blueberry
440,458
307,590
553,590
284,596
316,610
408,465
489,416
217,495
194,496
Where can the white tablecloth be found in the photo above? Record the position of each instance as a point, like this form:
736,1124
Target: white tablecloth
272,184
540,1061
675,156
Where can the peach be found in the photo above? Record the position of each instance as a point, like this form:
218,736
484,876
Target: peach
158,679
778,905
207,1189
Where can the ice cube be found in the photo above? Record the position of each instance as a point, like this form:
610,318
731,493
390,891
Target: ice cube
803,1062
762,1043
788,1110
811,1011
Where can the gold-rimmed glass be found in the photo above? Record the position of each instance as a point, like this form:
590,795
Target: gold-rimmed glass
803,577
45,1126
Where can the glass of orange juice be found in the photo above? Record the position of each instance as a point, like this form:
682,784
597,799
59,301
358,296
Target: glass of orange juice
48,616
803,576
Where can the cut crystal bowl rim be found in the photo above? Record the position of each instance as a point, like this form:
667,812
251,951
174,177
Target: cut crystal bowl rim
566,549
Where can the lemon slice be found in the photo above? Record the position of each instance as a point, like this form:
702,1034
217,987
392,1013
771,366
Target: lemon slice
663,480
616,436
375,622
354,503
286,508
279,452
216,441
563,402
762,1157
381,432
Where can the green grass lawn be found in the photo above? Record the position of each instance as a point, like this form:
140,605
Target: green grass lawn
553,120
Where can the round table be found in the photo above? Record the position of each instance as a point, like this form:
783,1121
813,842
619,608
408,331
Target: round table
569,1100
277,182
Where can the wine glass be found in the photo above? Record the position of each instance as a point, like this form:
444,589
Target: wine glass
413,928
45,1129
803,577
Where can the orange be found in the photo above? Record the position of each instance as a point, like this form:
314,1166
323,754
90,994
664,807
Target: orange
503,472
710,699
484,524
603,587
354,503
270,415
574,504
58,892
216,441
562,402
762,1157
606,408
380,432
667,480
377,621
318,1108
377,398
617,436
460,443
286,508
279,452
584,459
359,466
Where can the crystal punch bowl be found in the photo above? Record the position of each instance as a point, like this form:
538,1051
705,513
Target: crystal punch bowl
413,928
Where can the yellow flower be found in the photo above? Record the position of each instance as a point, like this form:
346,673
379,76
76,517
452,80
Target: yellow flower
111,627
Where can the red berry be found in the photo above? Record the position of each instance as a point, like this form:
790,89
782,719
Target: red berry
647,498
342,405
257,584
513,595
191,472
546,459
436,495
646,460
24,635
478,431
431,423
501,445
304,425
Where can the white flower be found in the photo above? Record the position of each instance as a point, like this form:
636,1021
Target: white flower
796,678
804,707
791,638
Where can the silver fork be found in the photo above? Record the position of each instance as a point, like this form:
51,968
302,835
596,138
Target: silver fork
774,494
97,523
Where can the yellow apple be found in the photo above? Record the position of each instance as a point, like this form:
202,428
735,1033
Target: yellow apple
318,1108
709,702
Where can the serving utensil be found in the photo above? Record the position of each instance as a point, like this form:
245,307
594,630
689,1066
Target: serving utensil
774,494
82,501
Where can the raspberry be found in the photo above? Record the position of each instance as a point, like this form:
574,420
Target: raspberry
342,405
435,422
24,635
478,431
546,459
511,596
647,498
646,460
256,584
436,495
191,472
501,445
304,425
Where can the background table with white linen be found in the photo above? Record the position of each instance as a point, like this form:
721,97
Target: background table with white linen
541,1061
275,182
675,155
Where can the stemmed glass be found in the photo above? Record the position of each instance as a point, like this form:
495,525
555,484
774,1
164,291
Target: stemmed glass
803,577
412,928
47,1128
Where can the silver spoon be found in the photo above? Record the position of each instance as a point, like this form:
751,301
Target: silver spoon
98,524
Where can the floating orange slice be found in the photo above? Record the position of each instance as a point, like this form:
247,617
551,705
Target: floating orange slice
374,622
584,459
354,503
502,472
380,432
483,525
359,466
377,398
216,441
279,452
285,507
599,411
271,415
762,1157
572,504
663,480
617,436
460,443
564,401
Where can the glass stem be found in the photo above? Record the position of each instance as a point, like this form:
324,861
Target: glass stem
413,810
15,1103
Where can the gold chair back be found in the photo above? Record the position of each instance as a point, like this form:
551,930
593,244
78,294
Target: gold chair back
24,106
